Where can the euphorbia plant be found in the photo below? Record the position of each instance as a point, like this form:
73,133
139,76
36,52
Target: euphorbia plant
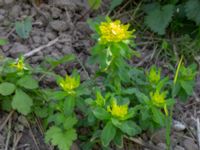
17,86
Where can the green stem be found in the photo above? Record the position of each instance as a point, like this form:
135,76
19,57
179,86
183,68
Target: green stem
169,118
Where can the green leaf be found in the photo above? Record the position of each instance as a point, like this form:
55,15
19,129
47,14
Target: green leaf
60,138
69,105
108,134
94,4
159,18
24,28
188,87
3,42
118,139
7,88
192,8
28,82
59,95
158,116
22,102
101,113
130,128
115,3
70,122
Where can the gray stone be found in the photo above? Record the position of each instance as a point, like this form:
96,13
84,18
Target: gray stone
55,12
1,17
8,1
178,126
50,35
36,39
161,146
15,11
159,136
189,144
179,148
18,49
58,25
1,3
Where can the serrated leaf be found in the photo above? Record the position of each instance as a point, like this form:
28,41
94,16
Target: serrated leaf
22,102
60,138
24,28
108,134
28,82
94,4
115,3
70,122
159,18
192,8
7,88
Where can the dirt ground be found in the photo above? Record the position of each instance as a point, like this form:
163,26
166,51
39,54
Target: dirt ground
62,24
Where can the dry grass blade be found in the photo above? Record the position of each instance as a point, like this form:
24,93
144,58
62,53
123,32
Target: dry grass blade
6,120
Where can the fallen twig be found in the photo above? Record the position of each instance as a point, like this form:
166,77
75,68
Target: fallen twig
41,47
6,120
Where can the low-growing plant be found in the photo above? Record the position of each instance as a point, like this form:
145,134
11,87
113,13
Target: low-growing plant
17,86
118,101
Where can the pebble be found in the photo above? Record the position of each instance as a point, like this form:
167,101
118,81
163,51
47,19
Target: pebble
179,148
8,1
178,126
55,12
190,145
15,11
58,25
1,3
18,49
161,146
1,17
36,39
158,136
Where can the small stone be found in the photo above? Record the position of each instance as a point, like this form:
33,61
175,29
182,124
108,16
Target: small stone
161,146
50,35
15,11
36,39
1,3
1,17
55,12
59,25
178,126
8,1
74,147
159,136
18,49
189,144
179,148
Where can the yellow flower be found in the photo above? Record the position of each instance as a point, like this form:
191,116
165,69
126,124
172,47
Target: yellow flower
116,110
100,101
19,65
114,32
154,75
158,99
69,83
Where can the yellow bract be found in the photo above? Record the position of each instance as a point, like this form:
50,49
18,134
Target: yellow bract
69,83
119,111
158,99
114,32
19,65
100,101
154,76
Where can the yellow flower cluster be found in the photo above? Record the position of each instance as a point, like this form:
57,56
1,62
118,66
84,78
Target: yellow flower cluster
154,76
114,32
69,83
116,110
158,99
19,65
